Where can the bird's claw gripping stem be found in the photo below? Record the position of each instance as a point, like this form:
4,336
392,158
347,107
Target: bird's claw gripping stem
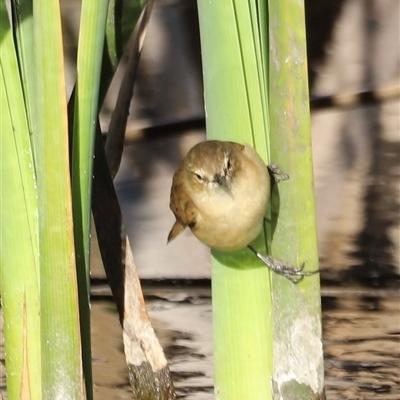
295,275
277,173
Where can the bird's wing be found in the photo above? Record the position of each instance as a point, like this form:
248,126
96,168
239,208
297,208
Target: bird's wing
184,210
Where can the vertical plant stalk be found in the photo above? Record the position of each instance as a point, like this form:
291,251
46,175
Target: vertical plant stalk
298,353
234,57
61,348
90,54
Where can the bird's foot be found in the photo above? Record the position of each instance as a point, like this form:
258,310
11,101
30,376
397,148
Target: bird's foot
277,174
295,275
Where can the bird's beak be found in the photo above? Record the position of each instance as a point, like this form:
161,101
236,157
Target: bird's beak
220,179
223,182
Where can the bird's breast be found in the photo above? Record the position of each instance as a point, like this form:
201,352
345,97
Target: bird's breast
229,218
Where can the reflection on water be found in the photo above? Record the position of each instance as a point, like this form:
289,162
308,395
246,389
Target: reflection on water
361,331
361,342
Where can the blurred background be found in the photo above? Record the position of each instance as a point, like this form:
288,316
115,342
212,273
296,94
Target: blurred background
353,46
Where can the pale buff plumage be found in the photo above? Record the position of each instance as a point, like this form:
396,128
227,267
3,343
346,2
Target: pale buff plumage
220,191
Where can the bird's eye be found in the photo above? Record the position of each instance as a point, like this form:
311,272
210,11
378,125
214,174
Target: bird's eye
198,176
229,165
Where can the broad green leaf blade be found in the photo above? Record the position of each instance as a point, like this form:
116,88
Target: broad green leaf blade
236,110
247,49
237,97
19,244
61,349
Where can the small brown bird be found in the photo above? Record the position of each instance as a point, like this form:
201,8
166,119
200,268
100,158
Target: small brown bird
221,192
